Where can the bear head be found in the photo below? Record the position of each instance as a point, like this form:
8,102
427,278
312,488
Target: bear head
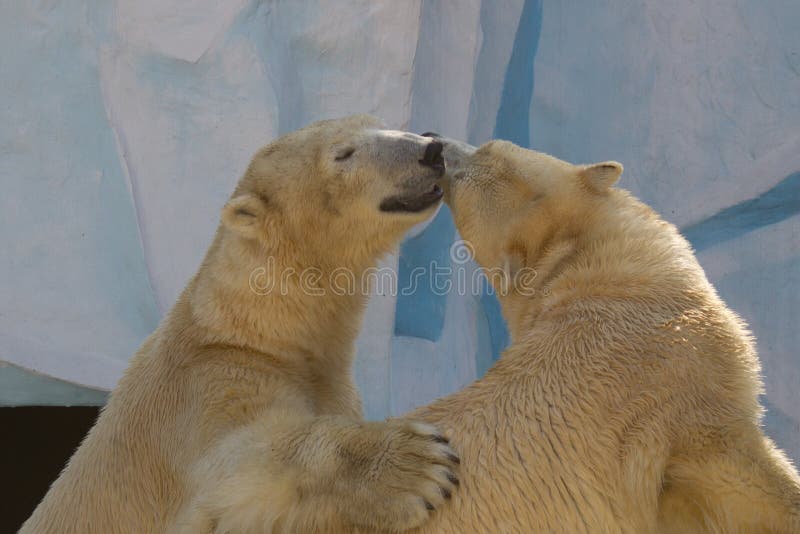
343,187
516,207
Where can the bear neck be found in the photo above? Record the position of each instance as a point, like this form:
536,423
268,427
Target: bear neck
622,250
281,302
521,306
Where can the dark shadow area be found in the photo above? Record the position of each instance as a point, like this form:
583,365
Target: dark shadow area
37,441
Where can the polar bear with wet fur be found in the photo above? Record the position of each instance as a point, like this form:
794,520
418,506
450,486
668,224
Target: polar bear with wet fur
239,413
628,398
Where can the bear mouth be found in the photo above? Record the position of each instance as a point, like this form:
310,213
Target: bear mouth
412,203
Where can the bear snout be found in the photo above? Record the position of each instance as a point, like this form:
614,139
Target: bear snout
433,157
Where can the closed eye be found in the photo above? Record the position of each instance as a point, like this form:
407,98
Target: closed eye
345,153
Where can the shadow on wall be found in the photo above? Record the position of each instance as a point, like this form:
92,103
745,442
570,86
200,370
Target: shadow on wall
772,206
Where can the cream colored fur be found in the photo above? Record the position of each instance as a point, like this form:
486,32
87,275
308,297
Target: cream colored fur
628,399
239,413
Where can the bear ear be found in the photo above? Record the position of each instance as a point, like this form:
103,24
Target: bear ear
599,177
245,214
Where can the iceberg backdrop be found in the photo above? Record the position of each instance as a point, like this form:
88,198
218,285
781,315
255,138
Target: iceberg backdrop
125,126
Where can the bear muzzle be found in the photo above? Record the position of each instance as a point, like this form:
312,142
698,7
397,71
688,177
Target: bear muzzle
413,203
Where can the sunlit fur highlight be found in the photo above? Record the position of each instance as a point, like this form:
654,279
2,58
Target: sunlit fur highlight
628,399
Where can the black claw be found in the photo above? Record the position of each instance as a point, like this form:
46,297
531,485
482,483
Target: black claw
453,458
446,493
429,506
440,439
453,479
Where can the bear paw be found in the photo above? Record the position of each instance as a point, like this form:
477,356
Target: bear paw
398,473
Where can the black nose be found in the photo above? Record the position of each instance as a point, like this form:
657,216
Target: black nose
430,134
433,156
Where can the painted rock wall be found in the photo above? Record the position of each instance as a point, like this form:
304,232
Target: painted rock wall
125,126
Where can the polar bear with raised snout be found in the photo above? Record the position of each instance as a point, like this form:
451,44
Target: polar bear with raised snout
628,399
239,413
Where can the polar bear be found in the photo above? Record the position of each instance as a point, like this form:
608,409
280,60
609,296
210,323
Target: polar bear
239,413
628,399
